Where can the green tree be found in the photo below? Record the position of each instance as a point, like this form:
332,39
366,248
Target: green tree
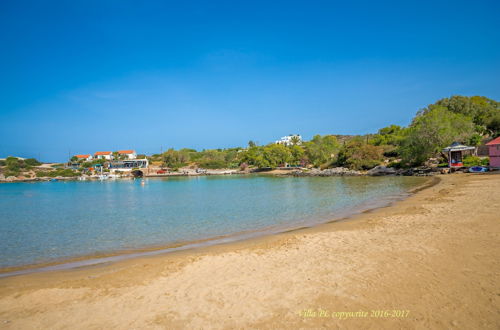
433,130
276,154
254,156
175,159
295,140
322,150
359,155
297,154
482,110
32,162
493,124
390,135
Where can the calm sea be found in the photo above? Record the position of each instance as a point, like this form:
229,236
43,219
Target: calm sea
52,221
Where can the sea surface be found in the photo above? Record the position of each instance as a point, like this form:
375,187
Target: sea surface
56,221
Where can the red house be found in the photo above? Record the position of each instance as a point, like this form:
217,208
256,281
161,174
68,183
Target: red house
494,152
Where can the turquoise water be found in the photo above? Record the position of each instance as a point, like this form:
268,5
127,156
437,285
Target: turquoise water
44,222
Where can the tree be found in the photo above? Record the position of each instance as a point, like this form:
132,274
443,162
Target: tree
390,135
321,149
297,154
480,109
295,140
359,155
251,144
276,154
433,130
32,162
254,156
493,125
175,159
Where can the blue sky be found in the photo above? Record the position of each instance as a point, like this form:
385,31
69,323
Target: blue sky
85,76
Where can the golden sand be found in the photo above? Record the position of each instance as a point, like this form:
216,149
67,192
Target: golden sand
429,262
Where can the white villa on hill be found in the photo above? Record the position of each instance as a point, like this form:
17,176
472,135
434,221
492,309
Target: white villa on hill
290,140
108,155
84,157
130,154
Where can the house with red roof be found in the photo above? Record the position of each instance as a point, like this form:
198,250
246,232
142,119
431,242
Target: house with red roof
108,155
494,152
130,154
84,157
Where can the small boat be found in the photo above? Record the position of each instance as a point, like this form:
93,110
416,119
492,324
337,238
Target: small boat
478,169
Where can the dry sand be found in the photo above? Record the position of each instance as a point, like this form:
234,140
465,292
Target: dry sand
434,256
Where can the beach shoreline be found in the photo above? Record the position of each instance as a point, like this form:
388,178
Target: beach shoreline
109,256
434,254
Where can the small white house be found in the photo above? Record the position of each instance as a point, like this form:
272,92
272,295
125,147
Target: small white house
130,154
108,155
290,140
84,157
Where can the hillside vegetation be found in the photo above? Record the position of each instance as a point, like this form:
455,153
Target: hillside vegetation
469,120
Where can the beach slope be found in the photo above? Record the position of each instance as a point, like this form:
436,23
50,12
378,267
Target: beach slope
430,261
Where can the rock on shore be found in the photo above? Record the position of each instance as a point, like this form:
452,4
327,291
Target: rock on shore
381,170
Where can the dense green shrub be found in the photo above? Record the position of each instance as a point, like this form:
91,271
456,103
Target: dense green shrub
475,161
58,172
32,162
11,173
471,161
359,155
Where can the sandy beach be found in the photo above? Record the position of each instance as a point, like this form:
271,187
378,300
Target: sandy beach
431,261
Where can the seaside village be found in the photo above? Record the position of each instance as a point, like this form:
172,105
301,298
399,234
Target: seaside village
108,164
103,165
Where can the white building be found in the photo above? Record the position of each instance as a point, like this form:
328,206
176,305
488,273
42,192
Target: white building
84,157
128,165
108,155
130,154
290,140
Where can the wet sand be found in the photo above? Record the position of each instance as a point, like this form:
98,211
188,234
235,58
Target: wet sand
430,261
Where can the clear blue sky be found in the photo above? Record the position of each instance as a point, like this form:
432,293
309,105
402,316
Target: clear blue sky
86,76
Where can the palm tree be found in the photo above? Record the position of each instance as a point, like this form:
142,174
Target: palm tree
294,140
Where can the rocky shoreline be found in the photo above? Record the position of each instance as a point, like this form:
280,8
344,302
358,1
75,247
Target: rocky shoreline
376,171
314,172
337,171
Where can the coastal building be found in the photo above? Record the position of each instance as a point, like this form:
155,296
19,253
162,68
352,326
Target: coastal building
130,154
84,157
290,140
127,165
108,155
455,153
494,152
